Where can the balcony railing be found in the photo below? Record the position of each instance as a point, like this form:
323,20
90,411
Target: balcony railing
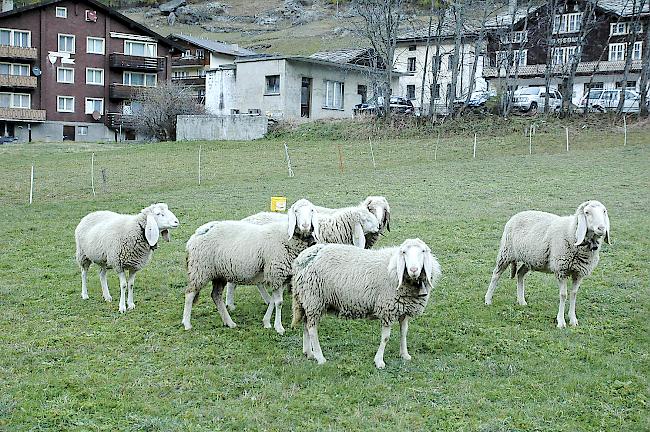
121,91
22,114
124,61
188,61
117,120
190,80
18,81
15,52
584,68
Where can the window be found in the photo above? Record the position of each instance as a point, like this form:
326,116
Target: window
410,92
65,75
139,79
95,45
61,12
94,76
515,37
638,49
200,53
143,49
187,53
66,43
14,69
629,84
94,104
82,130
567,23
410,65
272,84
65,104
565,55
15,100
435,64
622,28
521,57
617,52
436,92
333,95
412,47
450,62
19,38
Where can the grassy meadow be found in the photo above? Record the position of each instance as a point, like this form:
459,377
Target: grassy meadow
68,364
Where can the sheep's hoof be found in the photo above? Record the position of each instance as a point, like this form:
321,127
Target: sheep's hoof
561,324
266,324
131,305
122,308
279,329
231,324
309,355
84,296
574,323
187,326
108,298
406,356
231,307
522,303
380,364
488,301
321,360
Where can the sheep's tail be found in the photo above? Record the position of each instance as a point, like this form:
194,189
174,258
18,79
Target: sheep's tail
513,269
298,311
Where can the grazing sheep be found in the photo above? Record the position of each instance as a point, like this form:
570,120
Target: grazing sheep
246,253
121,242
567,246
390,284
346,226
377,205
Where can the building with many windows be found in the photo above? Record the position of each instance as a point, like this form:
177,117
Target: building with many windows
69,69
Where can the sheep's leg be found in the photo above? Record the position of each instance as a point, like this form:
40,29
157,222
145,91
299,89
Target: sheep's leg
129,300
230,295
403,330
266,320
84,279
572,301
104,283
217,289
379,357
560,313
187,311
264,294
520,284
315,344
123,285
277,301
306,343
496,274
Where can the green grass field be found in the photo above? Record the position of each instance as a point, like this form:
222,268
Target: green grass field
68,364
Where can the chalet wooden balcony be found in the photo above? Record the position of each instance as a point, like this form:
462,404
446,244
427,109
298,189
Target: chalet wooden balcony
117,120
14,52
18,81
22,114
121,91
190,80
188,61
123,61
584,69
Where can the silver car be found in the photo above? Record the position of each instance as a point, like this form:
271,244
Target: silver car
533,98
607,100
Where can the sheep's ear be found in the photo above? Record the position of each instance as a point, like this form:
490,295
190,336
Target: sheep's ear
315,225
387,218
431,269
397,265
151,232
292,222
358,237
581,229
607,240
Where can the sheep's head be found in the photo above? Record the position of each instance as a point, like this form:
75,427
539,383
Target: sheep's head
413,260
159,221
303,219
366,223
378,205
592,224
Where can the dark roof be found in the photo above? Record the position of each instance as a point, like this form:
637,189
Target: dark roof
215,46
342,56
506,18
311,60
448,30
100,6
624,7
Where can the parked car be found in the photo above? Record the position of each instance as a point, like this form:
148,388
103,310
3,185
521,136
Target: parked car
598,100
533,98
476,99
7,139
398,105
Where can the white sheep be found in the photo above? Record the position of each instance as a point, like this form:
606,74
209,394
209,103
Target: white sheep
377,205
566,246
349,225
390,284
121,242
247,253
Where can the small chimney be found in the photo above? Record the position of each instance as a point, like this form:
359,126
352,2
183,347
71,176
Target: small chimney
512,7
7,5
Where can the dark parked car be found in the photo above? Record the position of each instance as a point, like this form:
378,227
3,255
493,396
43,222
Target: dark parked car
476,99
398,105
8,139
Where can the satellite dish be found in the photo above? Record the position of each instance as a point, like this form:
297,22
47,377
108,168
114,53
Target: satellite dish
96,115
36,71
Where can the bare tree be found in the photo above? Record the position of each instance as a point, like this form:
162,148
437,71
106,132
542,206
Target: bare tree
634,28
441,13
158,107
551,8
379,24
644,81
457,10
